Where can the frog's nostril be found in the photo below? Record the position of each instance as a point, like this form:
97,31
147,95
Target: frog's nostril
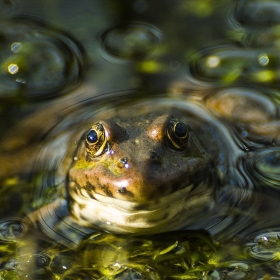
155,157
123,162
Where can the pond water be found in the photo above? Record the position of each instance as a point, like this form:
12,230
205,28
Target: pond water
140,140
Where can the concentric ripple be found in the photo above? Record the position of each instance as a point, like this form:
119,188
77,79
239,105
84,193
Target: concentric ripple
228,64
264,246
259,13
265,167
130,41
12,229
37,61
237,270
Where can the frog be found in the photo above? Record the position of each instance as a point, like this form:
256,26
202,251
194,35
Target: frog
142,167
151,166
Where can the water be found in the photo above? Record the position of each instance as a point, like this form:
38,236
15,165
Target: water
212,64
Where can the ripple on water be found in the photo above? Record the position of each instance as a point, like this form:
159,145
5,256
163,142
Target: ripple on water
230,63
265,37
237,270
253,113
264,246
37,61
130,41
241,104
259,13
12,229
265,167
33,266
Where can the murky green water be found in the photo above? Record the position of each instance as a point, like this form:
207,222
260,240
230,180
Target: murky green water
214,65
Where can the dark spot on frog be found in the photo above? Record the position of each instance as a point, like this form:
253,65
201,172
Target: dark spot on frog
140,207
155,157
90,189
125,192
104,188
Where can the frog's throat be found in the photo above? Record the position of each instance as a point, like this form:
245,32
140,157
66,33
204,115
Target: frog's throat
175,211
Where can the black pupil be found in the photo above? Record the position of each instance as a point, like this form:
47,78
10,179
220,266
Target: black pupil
180,130
92,136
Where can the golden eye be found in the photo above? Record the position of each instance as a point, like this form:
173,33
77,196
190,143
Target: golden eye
177,133
96,142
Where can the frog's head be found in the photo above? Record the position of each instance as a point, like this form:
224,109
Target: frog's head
140,175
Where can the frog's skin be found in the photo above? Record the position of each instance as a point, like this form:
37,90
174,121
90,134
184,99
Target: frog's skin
158,170
142,167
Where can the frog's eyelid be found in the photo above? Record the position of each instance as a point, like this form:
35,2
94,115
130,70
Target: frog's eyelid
178,142
99,146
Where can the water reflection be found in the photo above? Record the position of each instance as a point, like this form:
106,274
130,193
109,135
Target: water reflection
132,41
33,266
264,246
253,113
268,37
229,64
237,270
37,61
259,13
265,167
237,124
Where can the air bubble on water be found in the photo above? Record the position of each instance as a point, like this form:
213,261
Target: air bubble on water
213,61
263,60
13,68
16,47
21,80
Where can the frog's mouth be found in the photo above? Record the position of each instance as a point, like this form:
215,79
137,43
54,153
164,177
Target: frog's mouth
177,210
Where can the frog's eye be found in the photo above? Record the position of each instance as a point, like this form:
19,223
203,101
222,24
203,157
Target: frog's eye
177,134
96,141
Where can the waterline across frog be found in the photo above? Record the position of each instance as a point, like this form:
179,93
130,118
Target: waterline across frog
145,171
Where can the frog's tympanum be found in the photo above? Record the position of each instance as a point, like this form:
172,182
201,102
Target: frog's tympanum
145,171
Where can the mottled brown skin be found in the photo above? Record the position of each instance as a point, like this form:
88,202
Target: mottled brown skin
140,163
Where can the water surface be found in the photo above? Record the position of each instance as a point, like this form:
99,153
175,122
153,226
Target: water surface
65,64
